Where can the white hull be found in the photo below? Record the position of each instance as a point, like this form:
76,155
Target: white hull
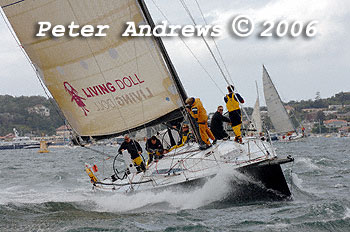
189,164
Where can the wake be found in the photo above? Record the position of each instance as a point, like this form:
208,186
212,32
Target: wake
215,189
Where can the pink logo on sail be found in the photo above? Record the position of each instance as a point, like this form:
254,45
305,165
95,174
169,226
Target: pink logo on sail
76,97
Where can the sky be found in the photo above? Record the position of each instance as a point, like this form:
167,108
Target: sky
299,67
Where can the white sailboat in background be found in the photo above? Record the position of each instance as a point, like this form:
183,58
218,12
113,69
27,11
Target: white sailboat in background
114,85
277,112
256,123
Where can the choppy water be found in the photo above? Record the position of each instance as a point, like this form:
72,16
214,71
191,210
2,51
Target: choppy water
51,192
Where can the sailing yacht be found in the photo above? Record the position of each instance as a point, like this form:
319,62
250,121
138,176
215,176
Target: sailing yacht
255,127
113,85
277,112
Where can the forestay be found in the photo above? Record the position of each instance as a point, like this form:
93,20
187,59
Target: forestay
104,85
275,108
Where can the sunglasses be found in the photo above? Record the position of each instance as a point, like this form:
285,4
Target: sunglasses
221,109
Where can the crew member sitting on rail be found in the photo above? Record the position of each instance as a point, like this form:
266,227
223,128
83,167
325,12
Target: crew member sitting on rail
154,149
186,136
216,124
234,112
197,111
134,150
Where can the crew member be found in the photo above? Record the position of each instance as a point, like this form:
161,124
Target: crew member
197,111
216,124
134,150
234,112
154,149
186,136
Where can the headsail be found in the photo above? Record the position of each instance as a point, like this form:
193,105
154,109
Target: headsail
104,86
275,108
256,117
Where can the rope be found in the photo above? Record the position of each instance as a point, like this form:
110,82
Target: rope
299,122
216,46
212,54
14,3
130,183
190,50
205,41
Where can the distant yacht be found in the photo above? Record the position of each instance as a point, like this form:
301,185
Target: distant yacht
19,142
277,112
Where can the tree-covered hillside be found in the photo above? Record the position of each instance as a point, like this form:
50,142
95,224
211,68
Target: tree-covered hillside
342,98
14,113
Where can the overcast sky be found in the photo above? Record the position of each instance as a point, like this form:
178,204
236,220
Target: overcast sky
299,67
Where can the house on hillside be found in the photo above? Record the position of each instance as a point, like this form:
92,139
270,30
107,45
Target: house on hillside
343,116
329,112
39,109
344,129
335,123
335,107
313,110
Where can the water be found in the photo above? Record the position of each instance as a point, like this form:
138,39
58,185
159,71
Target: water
51,192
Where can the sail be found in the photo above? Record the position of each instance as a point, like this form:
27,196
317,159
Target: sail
256,118
275,108
103,85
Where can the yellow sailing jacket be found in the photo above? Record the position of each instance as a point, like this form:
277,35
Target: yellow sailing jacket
231,104
198,112
184,139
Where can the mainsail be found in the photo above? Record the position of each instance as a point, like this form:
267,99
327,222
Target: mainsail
104,86
278,114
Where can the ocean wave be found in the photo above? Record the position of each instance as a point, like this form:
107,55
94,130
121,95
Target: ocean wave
307,162
215,189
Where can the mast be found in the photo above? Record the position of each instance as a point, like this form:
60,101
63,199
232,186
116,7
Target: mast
166,57
179,87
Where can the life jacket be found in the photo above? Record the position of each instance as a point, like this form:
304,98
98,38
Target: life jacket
231,104
91,175
198,112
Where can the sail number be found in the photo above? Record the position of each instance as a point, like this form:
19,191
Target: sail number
244,26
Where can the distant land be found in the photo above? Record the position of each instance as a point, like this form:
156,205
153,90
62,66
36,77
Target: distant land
37,115
33,115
